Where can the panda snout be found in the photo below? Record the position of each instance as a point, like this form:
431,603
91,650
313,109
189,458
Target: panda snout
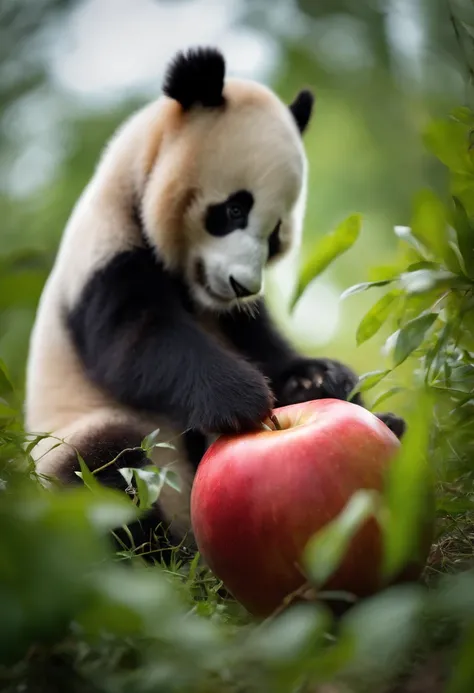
239,289
245,288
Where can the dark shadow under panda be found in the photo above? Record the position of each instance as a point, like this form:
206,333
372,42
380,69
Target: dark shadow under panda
153,315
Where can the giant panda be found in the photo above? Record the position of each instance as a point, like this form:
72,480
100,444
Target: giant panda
153,316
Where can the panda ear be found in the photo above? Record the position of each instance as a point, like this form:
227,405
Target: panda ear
196,77
302,108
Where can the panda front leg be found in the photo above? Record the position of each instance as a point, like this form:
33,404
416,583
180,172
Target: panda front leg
294,378
306,379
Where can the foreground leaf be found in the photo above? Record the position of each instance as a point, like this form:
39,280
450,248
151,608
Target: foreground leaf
364,286
465,237
463,671
86,475
409,491
376,316
448,140
425,280
405,234
411,336
429,224
386,395
326,550
5,382
329,247
368,381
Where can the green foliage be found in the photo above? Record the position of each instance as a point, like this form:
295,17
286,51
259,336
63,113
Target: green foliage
107,623
76,615
326,550
428,303
327,249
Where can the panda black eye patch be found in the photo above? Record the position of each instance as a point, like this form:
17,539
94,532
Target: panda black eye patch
230,215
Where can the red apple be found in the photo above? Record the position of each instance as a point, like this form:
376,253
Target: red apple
258,498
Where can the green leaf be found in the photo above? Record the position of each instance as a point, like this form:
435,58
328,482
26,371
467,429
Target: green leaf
358,288
425,280
149,482
462,676
463,115
148,489
376,316
109,513
409,492
423,264
172,479
150,440
86,475
385,628
463,11
411,336
368,381
327,249
386,395
455,506
436,356
149,443
326,550
448,140
429,225
465,237
405,234
288,637
6,384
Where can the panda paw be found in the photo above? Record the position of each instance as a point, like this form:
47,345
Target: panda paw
240,401
395,423
308,379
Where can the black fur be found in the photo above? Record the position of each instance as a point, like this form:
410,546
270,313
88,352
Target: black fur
293,378
196,445
396,424
219,220
274,243
196,77
138,343
151,535
302,108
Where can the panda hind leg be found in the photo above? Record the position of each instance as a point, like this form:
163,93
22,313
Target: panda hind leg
111,445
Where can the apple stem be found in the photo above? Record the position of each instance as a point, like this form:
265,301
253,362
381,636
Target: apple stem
275,421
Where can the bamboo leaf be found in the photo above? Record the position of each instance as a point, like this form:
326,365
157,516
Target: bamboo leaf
425,280
409,497
386,395
328,249
326,550
430,227
6,384
465,237
86,475
376,316
364,286
411,336
368,381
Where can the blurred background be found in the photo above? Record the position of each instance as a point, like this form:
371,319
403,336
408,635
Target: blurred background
72,70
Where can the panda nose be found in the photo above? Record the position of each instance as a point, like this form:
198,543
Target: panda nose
239,290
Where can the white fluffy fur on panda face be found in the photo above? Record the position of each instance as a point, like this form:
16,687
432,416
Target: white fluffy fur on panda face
241,175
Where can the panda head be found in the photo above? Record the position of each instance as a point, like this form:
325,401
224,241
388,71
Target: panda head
226,184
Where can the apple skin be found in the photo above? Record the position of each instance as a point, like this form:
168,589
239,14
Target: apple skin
257,499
